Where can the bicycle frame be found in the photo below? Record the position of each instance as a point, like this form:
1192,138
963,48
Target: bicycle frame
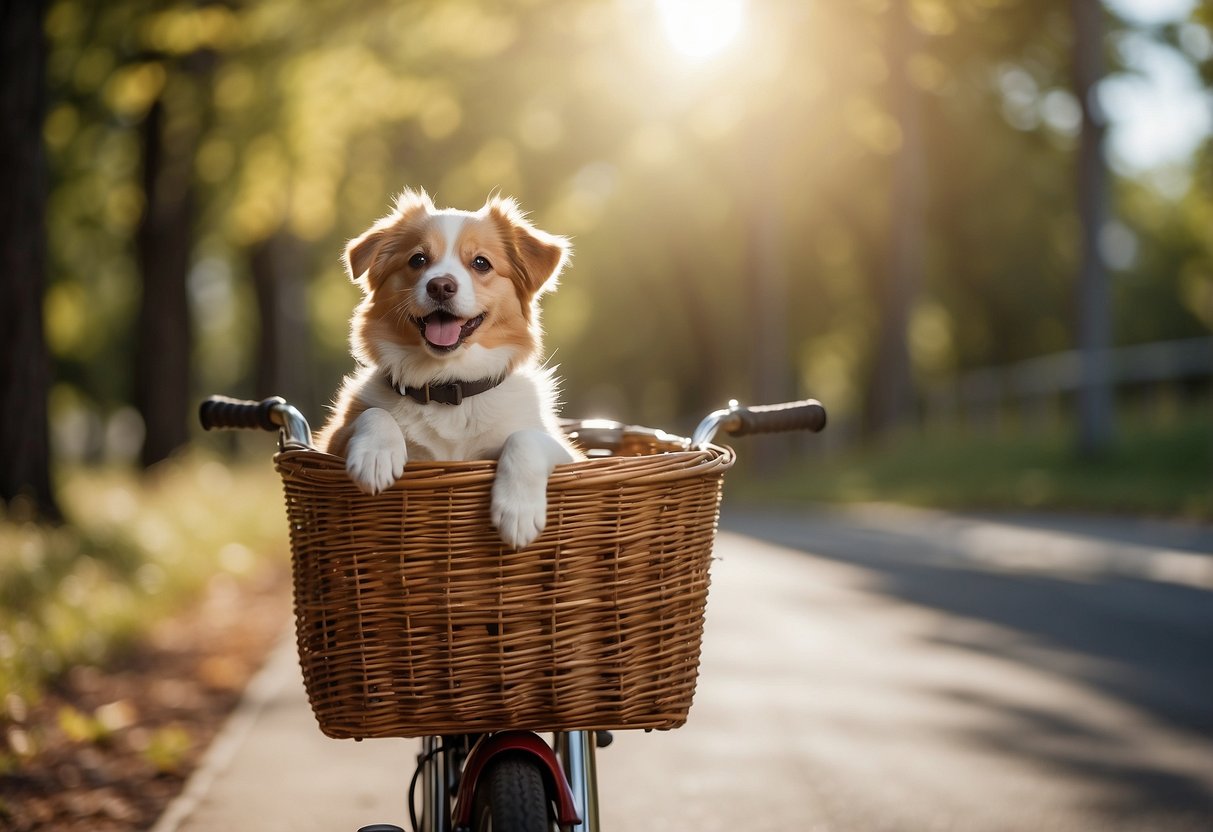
570,777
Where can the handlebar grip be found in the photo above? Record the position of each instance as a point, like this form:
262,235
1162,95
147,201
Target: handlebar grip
776,418
222,412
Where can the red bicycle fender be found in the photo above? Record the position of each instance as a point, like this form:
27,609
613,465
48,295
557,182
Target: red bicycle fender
524,742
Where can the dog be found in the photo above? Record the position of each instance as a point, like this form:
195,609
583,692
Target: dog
448,343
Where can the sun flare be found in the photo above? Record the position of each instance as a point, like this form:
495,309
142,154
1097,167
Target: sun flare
701,29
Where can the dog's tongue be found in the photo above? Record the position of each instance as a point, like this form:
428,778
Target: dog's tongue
442,331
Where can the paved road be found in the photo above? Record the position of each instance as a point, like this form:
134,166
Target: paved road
873,670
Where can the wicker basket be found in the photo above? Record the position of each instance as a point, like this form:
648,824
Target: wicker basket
413,619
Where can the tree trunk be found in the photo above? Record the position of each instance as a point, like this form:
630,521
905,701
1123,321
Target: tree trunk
890,401
276,265
162,367
1094,312
771,374
25,371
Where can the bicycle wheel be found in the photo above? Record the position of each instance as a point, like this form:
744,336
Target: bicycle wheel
510,797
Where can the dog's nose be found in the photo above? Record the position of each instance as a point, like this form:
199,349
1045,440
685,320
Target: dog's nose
441,288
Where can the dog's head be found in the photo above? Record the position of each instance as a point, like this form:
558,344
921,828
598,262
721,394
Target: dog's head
451,294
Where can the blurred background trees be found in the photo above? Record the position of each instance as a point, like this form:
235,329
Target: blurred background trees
25,373
857,201
933,215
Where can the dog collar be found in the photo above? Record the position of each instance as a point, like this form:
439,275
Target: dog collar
451,393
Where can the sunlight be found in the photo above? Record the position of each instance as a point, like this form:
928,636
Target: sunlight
701,29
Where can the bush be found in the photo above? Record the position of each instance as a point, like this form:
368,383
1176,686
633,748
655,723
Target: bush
133,548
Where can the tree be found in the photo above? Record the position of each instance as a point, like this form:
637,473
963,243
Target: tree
890,395
164,240
25,371
1094,330
277,268
163,358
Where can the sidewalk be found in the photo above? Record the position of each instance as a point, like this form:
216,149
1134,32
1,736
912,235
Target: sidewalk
271,770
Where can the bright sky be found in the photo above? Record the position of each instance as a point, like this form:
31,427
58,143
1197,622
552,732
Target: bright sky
699,29
1152,11
1161,116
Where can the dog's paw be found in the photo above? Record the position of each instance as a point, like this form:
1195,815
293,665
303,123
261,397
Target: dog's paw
376,455
520,510
520,498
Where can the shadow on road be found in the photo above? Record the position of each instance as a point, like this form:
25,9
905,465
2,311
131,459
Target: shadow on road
1068,747
1144,643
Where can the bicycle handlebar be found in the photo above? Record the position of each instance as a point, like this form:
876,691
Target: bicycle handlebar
221,412
270,414
767,418
776,418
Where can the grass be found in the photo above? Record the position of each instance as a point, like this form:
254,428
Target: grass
1156,470
134,549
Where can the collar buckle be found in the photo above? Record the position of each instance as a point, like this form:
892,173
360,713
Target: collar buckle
452,393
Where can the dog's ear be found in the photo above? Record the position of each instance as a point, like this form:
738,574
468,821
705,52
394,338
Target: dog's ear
375,245
360,252
537,256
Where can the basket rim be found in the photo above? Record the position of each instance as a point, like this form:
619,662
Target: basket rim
596,471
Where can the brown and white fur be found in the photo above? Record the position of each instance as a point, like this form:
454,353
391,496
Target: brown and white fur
452,296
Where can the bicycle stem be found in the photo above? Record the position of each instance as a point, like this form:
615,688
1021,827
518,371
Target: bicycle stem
576,752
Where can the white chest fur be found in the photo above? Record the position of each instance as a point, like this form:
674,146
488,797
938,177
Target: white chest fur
475,429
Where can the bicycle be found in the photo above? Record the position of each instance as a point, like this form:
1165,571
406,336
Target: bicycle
412,619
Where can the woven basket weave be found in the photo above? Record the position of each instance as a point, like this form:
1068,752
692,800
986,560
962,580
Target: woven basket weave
413,619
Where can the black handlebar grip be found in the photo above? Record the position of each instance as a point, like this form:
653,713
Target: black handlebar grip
776,418
222,412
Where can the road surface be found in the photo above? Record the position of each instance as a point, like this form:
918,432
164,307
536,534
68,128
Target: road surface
881,669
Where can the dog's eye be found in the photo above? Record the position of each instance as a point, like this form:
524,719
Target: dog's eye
418,260
481,264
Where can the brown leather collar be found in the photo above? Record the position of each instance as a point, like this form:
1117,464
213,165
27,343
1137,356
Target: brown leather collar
451,393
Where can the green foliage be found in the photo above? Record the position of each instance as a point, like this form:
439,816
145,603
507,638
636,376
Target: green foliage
81,727
168,748
133,552
665,171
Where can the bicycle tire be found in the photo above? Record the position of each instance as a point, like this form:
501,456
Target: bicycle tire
511,797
